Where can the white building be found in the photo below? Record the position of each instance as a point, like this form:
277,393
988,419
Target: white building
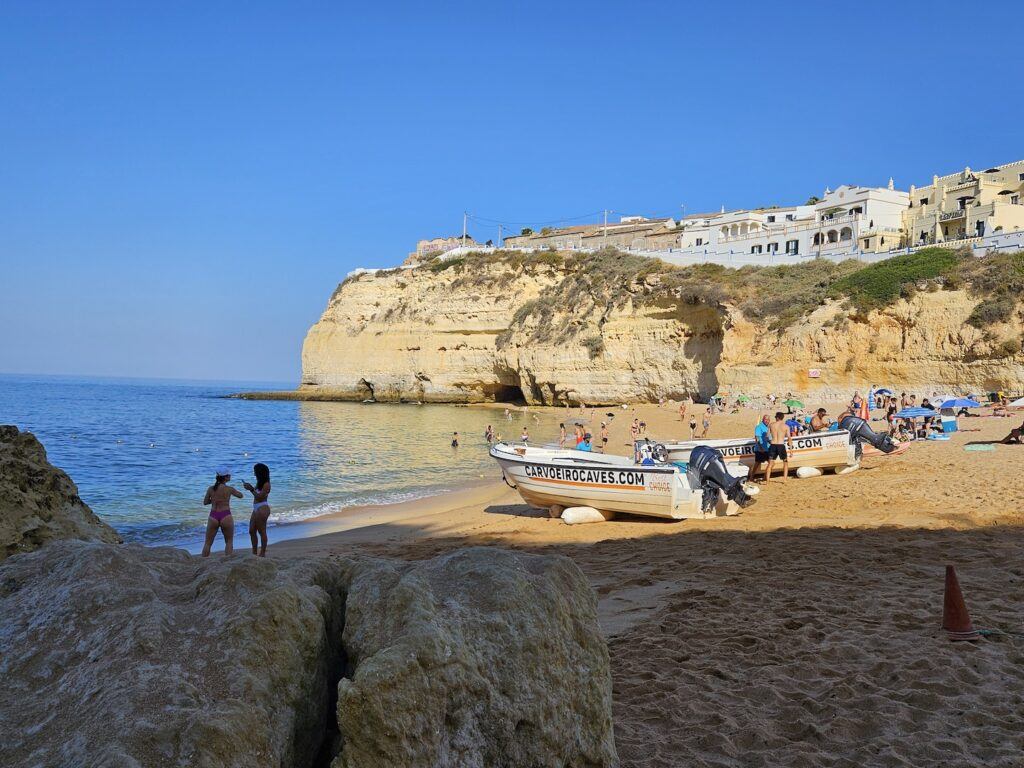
845,220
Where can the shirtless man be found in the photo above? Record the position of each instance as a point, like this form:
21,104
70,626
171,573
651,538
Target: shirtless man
780,438
819,421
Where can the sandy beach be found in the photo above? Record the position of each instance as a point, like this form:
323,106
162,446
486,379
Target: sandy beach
805,631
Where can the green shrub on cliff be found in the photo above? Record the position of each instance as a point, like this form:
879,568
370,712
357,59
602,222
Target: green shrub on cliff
878,285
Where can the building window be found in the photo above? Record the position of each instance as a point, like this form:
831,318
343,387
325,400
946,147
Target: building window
771,219
773,247
882,241
924,235
1020,177
700,241
924,201
789,217
1014,199
793,246
757,249
867,244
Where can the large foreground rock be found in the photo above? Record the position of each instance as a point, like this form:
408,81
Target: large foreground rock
482,657
38,502
129,656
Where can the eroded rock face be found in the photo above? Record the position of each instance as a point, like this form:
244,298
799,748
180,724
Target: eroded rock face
482,657
132,656
38,502
450,337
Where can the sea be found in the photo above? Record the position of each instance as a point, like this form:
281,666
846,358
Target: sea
142,452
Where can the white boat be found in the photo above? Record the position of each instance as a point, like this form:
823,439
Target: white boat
838,449
562,478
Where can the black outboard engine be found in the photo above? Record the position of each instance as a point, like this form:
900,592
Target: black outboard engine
861,432
706,470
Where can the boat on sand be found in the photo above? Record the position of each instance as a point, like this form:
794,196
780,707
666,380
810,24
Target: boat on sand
557,479
839,450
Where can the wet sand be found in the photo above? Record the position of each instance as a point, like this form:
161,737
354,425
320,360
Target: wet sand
804,631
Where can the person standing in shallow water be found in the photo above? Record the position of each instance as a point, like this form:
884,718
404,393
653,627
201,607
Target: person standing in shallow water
260,508
218,497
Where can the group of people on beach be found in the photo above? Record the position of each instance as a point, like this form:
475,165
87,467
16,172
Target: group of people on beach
218,498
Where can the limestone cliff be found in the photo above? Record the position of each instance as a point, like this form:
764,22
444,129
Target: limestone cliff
549,330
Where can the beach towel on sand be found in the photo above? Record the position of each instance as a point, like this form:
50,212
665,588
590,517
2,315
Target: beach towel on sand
979,447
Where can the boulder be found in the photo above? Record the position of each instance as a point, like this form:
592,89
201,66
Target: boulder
131,656
122,655
481,657
38,502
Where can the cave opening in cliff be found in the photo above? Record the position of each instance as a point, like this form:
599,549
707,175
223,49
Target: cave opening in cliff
508,393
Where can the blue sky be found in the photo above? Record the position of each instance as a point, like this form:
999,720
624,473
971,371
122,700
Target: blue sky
183,185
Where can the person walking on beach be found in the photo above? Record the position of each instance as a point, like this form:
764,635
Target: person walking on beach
693,426
525,437
561,435
218,497
260,508
604,437
682,411
762,442
706,424
777,450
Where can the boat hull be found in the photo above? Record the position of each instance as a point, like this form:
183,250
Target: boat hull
606,483
821,450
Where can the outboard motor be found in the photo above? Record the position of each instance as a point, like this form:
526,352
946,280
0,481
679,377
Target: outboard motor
706,470
861,432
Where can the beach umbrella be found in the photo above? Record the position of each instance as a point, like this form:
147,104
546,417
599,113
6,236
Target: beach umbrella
1018,403
883,391
916,413
960,402
794,403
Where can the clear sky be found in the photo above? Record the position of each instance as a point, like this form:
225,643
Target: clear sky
182,185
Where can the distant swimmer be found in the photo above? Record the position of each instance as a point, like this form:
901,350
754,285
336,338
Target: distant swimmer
218,498
260,508
489,434
455,439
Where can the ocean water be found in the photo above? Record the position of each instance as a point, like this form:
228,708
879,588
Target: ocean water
143,452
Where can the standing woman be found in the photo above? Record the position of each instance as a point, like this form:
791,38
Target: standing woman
218,496
260,507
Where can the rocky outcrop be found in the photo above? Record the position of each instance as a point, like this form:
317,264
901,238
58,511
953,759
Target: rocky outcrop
478,658
38,502
451,335
129,656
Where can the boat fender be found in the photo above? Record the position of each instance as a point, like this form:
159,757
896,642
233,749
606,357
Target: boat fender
808,472
751,489
583,515
847,469
860,432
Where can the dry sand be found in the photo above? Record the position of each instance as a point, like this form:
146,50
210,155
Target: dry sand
804,631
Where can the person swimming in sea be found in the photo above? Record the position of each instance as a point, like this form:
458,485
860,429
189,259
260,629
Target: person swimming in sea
260,508
455,439
218,497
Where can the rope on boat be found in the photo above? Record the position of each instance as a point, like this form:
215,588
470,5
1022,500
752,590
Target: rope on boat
513,487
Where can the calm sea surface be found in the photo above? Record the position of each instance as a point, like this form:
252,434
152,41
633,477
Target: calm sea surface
143,452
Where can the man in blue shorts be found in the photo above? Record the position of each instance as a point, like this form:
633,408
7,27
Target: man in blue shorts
762,442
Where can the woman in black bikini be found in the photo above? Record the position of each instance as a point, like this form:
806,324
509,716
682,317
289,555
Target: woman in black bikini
218,496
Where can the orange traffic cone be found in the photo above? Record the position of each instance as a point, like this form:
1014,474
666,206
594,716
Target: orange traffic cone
955,618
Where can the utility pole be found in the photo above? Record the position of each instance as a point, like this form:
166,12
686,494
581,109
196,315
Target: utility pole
464,215
604,240
499,235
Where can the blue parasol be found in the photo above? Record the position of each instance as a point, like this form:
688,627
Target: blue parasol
916,413
883,391
960,402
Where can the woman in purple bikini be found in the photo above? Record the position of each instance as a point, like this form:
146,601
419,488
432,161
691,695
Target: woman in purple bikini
218,496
